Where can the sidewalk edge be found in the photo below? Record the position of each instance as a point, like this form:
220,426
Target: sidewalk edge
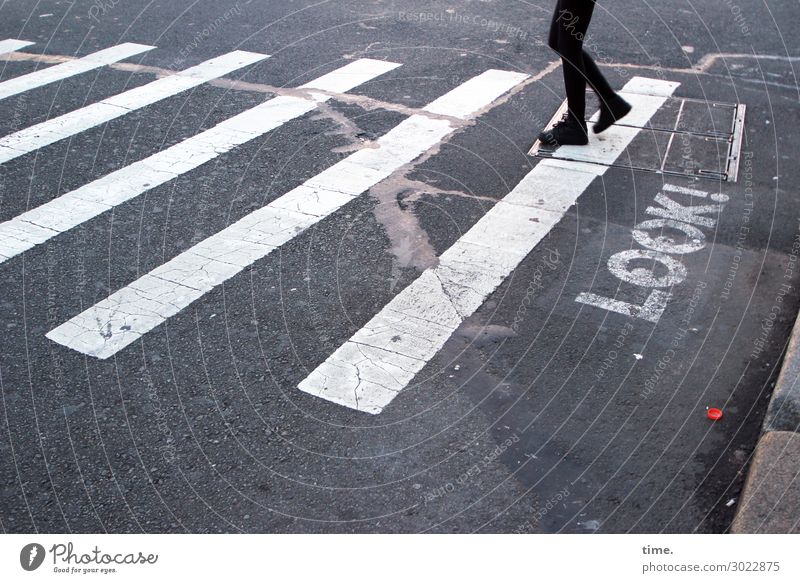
770,500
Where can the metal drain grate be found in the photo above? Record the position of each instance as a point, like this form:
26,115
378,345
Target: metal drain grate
687,137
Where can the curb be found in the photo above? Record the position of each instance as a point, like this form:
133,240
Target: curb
770,501
783,413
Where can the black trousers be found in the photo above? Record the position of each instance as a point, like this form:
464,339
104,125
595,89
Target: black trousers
567,32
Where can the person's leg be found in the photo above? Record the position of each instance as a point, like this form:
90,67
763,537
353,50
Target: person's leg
567,31
612,106
596,79
612,109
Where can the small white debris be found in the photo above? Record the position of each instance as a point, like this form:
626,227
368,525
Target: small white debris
688,49
293,289
45,15
212,316
457,367
730,502
638,356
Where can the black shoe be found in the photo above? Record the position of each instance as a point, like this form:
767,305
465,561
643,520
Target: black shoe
568,132
611,112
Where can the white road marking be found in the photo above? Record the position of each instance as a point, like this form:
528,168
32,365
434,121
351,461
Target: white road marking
36,226
484,88
684,190
10,45
653,235
368,371
64,70
131,312
74,122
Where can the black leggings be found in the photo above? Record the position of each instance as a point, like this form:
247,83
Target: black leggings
567,32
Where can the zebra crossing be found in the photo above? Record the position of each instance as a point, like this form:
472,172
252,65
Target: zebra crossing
62,71
370,369
59,128
147,302
74,208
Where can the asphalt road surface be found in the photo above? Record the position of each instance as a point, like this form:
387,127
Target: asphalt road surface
287,266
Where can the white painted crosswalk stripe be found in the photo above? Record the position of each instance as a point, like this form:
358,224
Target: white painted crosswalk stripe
368,371
78,206
65,70
482,89
74,122
131,312
10,45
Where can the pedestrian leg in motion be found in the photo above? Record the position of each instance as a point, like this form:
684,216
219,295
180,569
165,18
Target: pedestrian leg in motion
567,31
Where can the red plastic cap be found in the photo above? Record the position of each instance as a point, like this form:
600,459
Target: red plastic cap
714,414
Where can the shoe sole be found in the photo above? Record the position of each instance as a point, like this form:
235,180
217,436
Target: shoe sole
557,145
554,144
